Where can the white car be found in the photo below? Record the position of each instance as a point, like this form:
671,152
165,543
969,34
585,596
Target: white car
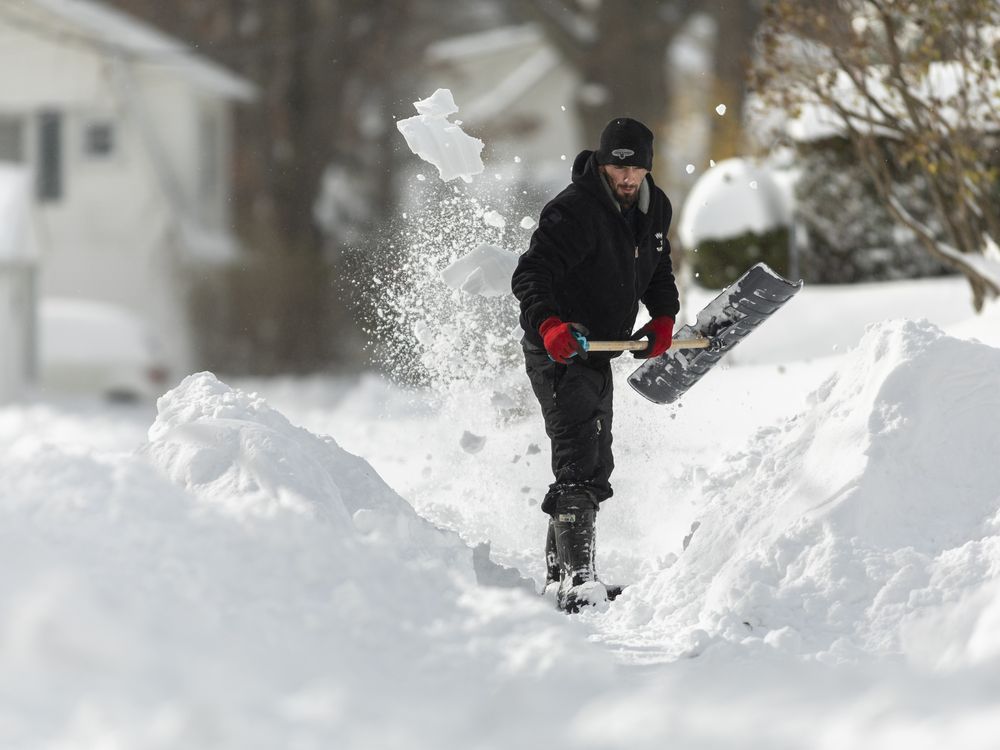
91,348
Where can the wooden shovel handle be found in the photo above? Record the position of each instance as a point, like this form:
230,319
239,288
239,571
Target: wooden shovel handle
629,346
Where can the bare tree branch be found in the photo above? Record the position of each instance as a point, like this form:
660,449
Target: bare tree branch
919,107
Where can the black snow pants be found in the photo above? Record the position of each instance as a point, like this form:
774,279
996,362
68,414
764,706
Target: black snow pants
576,401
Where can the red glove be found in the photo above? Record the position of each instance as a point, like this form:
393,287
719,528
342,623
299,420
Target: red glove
559,340
660,332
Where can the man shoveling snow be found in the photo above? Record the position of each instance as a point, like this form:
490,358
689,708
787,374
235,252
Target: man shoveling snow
600,248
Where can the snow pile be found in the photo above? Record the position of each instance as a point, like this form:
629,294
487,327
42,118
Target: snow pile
241,582
484,271
442,143
868,524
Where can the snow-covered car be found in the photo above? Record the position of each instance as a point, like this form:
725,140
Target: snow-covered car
94,348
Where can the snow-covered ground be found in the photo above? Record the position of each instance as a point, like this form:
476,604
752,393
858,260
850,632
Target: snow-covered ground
305,568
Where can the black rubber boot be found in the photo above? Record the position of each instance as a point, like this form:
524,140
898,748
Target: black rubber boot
553,573
579,587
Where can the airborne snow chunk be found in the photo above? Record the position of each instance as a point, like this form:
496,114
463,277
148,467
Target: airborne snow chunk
494,219
485,271
442,143
439,104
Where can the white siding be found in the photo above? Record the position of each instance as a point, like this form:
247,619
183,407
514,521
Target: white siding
112,235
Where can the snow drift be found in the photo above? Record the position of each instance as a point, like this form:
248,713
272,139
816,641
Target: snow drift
241,582
858,525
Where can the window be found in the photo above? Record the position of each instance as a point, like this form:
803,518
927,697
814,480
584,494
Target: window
49,178
98,139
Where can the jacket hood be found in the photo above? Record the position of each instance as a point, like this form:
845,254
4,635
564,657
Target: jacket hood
587,175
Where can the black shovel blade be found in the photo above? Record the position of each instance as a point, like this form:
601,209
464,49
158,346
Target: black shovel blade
727,320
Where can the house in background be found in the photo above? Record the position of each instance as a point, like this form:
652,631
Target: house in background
516,92
126,134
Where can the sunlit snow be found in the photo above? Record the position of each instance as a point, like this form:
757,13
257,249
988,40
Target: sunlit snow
444,144
734,197
819,537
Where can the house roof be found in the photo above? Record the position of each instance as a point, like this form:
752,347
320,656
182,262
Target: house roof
512,87
484,42
119,32
536,60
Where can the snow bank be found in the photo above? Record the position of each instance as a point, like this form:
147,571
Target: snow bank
241,582
442,143
850,527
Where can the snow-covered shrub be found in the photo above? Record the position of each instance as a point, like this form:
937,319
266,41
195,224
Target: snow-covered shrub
852,238
718,263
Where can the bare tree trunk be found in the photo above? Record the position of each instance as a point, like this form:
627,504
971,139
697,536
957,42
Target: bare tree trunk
737,22
317,64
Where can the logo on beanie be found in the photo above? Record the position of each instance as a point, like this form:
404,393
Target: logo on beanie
623,153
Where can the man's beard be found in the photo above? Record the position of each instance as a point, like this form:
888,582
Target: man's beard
625,201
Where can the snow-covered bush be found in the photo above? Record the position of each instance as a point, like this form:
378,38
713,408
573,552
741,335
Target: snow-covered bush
852,238
736,215
718,263
913,87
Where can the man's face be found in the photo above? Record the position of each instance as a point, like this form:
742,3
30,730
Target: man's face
624,182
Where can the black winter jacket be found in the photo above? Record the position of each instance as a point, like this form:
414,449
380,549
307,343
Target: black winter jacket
584,264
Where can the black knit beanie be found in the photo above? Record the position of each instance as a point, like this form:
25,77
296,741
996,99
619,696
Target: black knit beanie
626,143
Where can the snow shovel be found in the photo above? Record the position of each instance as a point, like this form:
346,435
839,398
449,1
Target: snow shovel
722,324
634,346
